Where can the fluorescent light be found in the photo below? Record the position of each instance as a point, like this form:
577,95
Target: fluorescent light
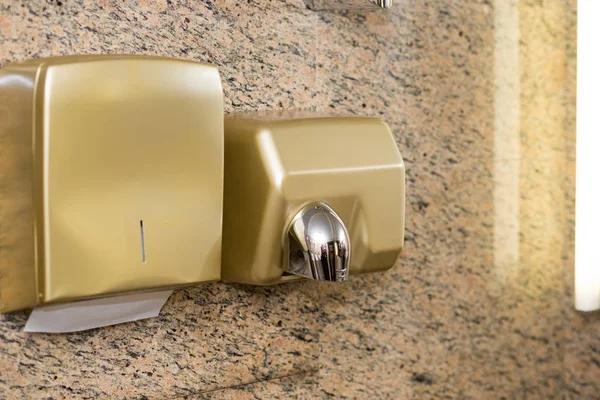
587,210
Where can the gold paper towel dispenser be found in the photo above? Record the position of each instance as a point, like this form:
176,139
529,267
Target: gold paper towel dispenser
310,196
111,176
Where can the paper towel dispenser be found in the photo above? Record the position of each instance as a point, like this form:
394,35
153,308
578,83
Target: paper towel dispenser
310,196
111,176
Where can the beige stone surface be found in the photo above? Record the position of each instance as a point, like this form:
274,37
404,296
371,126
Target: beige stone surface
481,98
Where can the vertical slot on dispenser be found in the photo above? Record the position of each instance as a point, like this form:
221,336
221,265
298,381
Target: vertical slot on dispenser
143,241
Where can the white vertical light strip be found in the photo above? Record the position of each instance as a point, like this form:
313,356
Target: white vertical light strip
507,139
587,209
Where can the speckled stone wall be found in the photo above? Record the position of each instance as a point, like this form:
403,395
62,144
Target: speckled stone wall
480,95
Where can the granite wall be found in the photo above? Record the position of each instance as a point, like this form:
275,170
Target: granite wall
480,95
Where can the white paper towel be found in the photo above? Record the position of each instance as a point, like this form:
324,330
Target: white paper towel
89,314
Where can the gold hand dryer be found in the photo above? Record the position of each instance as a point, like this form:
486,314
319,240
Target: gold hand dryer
310,196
